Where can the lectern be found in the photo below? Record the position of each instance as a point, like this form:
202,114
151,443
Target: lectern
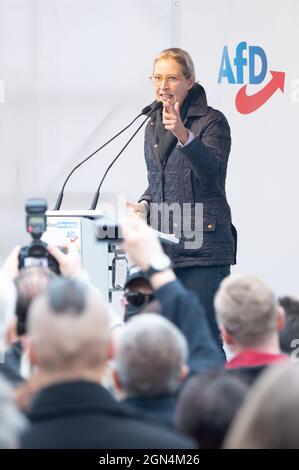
84,229
77,227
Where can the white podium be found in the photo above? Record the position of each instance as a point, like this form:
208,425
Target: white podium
77,227
84,229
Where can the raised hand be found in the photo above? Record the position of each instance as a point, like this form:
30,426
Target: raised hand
172,121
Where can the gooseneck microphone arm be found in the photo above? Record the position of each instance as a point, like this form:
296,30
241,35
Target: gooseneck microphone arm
94,203
61,194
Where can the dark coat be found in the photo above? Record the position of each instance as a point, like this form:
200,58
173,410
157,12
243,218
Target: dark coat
157,408
183,309
193,174
83,415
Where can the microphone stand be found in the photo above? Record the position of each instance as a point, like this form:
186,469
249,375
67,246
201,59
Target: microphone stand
94,203
61,194
97,194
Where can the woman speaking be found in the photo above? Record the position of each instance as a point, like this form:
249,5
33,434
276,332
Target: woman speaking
187,145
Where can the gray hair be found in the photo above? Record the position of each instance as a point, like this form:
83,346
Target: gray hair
247,308
8,297
68,326
13,423
150,355
180,56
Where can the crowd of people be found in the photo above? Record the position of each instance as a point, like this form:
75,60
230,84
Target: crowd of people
74,377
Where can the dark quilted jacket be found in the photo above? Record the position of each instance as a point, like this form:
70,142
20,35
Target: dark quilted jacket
195,174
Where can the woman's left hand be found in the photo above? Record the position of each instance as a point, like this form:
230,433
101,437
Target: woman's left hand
172,121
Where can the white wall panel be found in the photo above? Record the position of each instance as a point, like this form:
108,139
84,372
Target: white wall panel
76,71
262,182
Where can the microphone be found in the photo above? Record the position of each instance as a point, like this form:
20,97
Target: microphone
144,111
153,109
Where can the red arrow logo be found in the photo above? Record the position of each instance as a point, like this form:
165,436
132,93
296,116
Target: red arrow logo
247,104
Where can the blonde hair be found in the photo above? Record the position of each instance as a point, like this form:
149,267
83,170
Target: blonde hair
182,57
247,308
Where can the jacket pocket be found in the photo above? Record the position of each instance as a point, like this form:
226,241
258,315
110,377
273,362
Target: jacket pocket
197,234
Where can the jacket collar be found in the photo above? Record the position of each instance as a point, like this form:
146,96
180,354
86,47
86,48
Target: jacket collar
199,105
251,357
152,401
73,398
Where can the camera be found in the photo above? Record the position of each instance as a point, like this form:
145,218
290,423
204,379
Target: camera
36,254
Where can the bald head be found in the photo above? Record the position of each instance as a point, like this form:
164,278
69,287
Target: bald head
68,326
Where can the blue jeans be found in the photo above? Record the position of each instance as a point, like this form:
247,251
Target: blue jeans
204,282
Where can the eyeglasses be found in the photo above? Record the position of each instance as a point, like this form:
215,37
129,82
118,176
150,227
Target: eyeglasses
170,79
138,298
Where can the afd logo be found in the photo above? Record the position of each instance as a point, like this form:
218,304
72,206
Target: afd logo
255,60
72,236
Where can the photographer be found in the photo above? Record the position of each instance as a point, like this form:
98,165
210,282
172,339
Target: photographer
138,293
69,261
30,283
179,305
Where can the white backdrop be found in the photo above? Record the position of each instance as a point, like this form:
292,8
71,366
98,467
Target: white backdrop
262,182
76,71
